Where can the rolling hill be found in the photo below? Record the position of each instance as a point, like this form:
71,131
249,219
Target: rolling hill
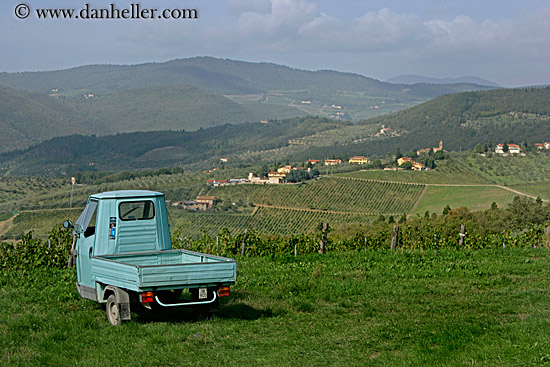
460,120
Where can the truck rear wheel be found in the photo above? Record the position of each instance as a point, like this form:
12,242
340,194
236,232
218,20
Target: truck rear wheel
113,311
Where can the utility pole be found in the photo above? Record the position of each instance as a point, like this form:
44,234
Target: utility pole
73,181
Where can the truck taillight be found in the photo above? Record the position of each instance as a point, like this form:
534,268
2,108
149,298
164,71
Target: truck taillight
146,297
223,291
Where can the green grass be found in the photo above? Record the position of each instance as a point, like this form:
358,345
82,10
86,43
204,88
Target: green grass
444,308
472,197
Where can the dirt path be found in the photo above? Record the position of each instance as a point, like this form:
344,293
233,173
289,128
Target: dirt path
6,225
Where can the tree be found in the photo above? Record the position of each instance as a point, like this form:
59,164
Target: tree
446,210
480,149
398,154
505,148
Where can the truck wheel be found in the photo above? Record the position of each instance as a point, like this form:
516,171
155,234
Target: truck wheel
113,311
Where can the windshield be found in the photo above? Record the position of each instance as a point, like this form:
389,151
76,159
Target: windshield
85,218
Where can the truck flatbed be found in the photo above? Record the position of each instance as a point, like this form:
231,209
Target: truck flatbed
159,270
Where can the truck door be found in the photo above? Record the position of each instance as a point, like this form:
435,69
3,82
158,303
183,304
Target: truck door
85,244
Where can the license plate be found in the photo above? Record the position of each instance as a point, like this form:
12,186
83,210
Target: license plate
203,293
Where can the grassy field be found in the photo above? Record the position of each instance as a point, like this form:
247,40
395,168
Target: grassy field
473,197
375,308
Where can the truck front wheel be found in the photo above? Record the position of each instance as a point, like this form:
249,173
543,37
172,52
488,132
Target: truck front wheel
113,311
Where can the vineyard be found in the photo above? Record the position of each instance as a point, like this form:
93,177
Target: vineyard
449,172
334,194
263,221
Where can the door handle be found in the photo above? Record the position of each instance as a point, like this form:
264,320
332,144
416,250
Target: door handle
90,252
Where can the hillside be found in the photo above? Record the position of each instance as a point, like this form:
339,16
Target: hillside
166,108
461,120
199,149
27,118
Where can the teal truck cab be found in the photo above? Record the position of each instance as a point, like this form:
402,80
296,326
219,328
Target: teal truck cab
124,256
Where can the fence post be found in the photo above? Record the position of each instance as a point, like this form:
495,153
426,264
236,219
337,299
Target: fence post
217,245
462,235
324,238
243,248
394,238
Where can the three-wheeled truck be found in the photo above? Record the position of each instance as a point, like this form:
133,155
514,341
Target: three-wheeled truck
124,256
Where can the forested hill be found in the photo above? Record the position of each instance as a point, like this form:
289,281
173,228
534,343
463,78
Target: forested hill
217,75
202,148
461,120
27,118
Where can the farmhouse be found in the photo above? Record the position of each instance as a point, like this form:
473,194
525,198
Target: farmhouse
539,146
359,159
313,161
402,160
512,149
284,169
207,201
332,162
216,183
547,146
417,166
276,177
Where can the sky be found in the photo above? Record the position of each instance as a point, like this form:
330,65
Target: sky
507,42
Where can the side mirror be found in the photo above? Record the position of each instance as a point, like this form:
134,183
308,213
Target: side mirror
68,224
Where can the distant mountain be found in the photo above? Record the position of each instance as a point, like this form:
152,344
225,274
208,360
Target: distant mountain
415,79
266,88
460,120
217,75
